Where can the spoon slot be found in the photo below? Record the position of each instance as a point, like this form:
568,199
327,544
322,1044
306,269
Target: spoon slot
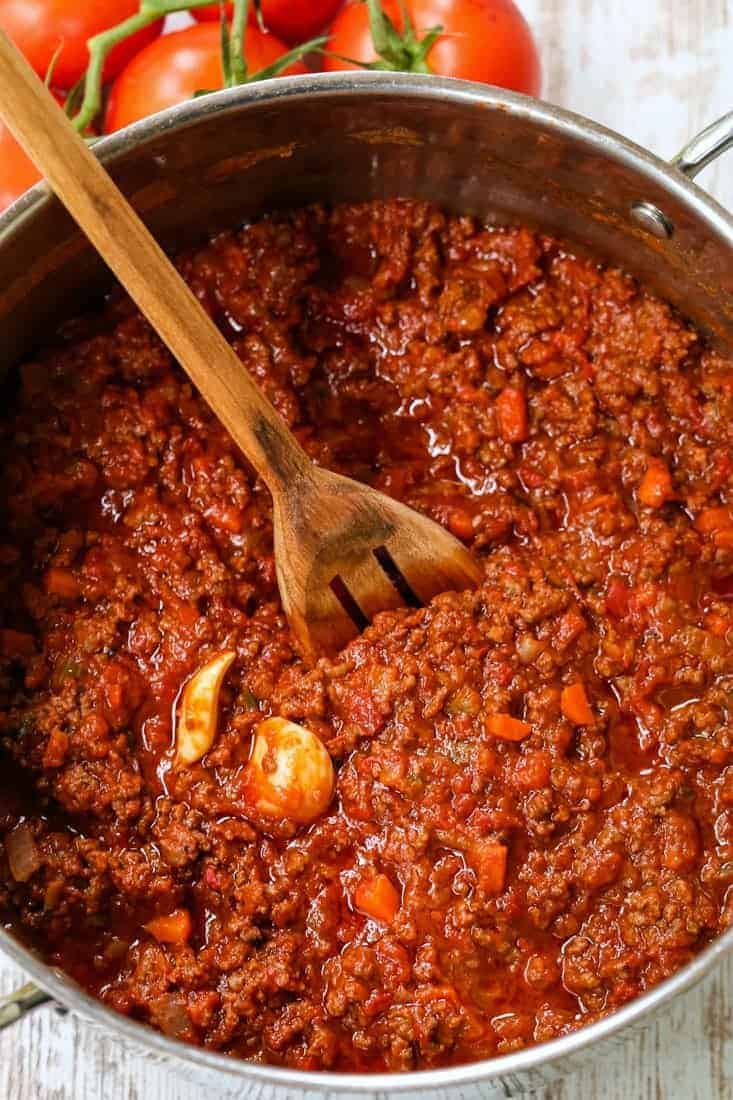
349,604
396,576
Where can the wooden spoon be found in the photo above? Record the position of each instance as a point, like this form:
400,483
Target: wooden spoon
343,551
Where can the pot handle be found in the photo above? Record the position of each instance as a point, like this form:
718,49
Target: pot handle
702,150
706,147
18,1004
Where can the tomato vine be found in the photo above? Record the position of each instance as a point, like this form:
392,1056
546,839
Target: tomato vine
89,94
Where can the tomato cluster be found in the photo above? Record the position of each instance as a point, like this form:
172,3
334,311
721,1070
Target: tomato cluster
154,67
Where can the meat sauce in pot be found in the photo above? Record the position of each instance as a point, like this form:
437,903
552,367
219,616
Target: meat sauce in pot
529,819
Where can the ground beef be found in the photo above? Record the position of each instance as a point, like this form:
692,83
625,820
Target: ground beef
539,773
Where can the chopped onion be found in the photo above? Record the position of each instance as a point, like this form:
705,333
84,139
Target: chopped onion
22,851
169,1014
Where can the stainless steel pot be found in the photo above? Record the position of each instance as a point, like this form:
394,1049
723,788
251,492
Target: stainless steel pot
232,155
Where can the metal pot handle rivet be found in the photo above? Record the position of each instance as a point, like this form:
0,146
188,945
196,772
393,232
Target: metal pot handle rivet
702,150
18,1004
655,221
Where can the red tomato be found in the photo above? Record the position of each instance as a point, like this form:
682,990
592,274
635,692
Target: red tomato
484,40
38,27
176,66
292,20
17,172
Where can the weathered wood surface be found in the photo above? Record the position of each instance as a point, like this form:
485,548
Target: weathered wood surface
658,71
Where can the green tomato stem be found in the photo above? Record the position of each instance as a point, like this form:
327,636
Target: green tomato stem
399,50
233,45
237,55
100,46
296,54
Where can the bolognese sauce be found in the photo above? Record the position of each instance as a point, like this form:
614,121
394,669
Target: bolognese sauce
487,821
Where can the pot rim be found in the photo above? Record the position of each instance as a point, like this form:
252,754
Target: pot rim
599,139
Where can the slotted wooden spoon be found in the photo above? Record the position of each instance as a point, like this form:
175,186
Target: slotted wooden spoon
343,551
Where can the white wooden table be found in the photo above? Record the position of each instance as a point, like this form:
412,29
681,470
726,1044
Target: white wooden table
658,71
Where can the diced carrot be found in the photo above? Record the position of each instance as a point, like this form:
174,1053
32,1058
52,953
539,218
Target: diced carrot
175,928
724,539
489,861
656,485
377,898
506,727
62,583
511,415
575,706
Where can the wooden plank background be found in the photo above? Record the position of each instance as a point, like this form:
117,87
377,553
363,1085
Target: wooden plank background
658,71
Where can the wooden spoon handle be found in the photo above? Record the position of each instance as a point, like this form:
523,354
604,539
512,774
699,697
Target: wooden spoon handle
115,230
